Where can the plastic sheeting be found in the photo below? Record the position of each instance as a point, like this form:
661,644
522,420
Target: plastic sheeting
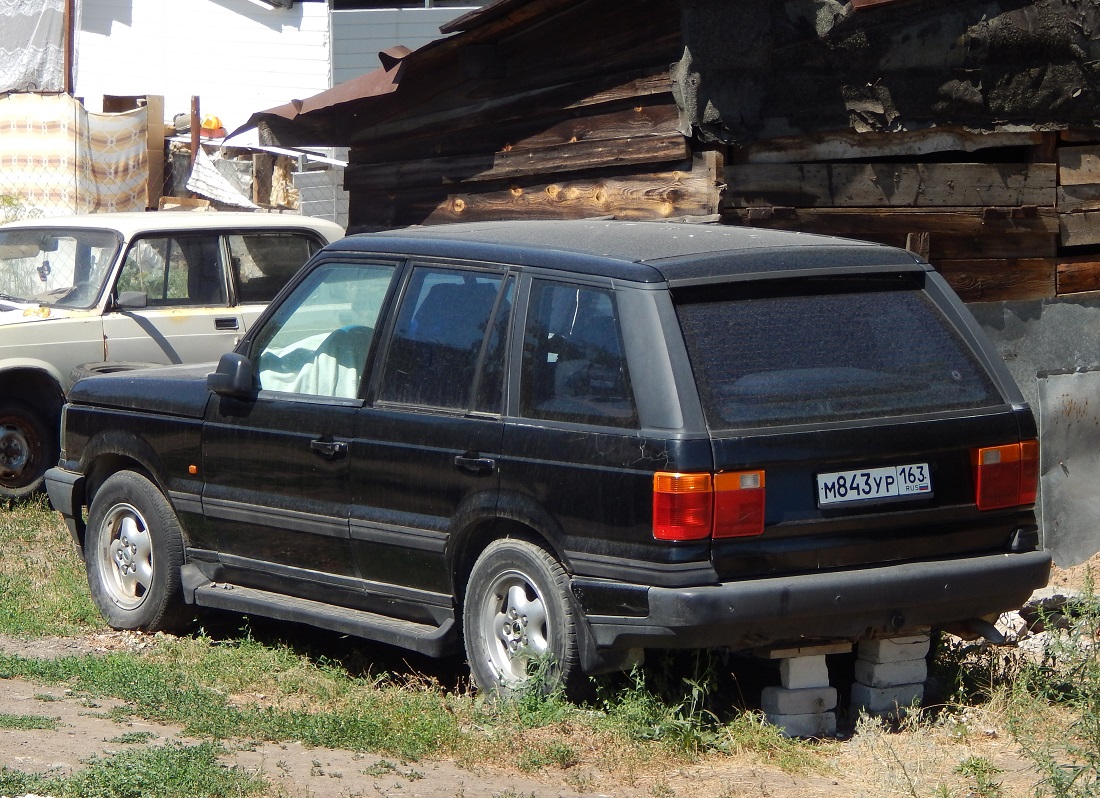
32,45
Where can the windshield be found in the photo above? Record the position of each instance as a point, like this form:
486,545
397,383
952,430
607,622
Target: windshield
62,268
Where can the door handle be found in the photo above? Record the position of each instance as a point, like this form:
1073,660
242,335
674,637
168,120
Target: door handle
476,465
329,450
226,323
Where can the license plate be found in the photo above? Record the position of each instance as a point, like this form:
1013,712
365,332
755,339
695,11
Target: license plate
874,484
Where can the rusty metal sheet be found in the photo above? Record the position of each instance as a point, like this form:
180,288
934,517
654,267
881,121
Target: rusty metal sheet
1069,435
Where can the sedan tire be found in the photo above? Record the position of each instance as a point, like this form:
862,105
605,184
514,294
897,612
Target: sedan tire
28,446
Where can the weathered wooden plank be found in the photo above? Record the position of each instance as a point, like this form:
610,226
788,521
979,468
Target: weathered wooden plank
999,280
1079,229
508,165
999,245
1078,274
1079,166
898,222
891,184
639,117
850,145
1079,198
689,191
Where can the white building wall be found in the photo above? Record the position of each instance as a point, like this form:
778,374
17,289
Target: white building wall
358,36
235,55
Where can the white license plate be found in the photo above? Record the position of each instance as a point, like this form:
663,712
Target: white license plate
874,484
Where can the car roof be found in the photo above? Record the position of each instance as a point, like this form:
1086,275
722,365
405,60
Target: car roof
643,251
134,223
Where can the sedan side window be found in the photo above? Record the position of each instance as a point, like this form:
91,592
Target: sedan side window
573,363
318,341
176,271
264,262
440,333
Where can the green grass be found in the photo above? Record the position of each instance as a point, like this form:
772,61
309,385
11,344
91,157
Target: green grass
169,771
27,722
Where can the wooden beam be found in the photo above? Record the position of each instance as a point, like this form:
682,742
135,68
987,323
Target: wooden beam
980,280
1079,198
850,145
891,185
1080,229
1079,165
688,191
898,222
1078,274
509,165
154,144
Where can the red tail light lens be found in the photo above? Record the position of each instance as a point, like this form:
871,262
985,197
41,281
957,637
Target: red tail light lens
1006,476
683,506
738,504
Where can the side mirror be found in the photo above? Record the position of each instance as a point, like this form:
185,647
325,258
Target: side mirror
132,299
233,376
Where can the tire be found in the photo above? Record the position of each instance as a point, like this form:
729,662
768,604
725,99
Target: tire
133,550
520,621
28,447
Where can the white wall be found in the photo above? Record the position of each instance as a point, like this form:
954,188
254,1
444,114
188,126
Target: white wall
358,36
237,56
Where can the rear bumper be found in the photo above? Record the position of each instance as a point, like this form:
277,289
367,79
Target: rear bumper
850,604
66,490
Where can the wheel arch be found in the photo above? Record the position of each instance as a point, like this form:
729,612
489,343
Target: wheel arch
33,385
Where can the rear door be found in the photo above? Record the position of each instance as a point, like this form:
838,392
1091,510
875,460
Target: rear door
863,403
426,456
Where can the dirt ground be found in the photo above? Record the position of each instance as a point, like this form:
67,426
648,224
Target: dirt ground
871,764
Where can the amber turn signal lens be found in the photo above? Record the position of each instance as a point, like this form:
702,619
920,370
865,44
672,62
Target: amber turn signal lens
1006,476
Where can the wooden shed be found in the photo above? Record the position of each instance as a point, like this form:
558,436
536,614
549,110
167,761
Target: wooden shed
964,129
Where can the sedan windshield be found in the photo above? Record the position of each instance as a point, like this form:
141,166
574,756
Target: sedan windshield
62,268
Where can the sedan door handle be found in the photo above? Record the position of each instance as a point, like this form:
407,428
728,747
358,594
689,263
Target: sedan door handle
476,465
226,323
329,450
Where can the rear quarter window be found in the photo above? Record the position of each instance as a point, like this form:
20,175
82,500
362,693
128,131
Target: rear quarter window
826,350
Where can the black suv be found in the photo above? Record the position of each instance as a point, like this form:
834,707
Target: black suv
567,442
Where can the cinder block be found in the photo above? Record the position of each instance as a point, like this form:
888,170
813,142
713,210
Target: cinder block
890,701
805,701
798,672
816,724
894,649
889,674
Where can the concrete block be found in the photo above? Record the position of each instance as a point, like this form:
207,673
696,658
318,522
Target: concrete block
890,701
889,674
805,701
798,672
894,649
815,724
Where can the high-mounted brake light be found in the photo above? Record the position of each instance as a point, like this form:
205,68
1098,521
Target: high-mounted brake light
1006,476
699,506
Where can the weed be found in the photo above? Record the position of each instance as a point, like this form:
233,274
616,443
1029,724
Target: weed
982,774
28,722
133,738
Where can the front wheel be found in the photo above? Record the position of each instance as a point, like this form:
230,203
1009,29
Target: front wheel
520,620
133,551
28,447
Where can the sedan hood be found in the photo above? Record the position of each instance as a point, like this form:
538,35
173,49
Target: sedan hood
168,390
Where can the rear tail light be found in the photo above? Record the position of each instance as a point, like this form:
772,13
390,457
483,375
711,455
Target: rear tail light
683,506
700,506
1006,476
738,504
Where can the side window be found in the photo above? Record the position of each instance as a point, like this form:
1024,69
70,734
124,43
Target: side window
437,343
318,340
175,271
263,262
573,363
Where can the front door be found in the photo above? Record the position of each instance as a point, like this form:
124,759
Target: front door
276,467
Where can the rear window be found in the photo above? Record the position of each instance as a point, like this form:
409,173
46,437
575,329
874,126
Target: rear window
825,350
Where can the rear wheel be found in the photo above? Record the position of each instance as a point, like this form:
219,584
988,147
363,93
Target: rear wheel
28,447
520,621
133,551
